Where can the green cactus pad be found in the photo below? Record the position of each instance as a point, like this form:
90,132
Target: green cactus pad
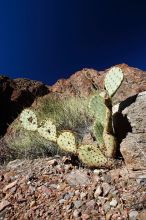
98,133
29,120
48,130
91,156
66,141
98,108
113,80
110,143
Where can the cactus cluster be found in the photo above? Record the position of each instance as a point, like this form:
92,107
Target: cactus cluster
98,107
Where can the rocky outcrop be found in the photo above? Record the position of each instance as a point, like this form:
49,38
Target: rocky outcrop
133,147
88,80
20,93
15,95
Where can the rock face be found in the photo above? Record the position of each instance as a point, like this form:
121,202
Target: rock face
133,146
84,82
15,95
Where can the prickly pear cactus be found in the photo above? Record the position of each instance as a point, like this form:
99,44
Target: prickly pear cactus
48,130
60,124
102,127
29,120
113,80
91,156
67,142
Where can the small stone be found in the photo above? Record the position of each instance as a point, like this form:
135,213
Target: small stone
91,204
52,162
78,204
85,216
76,213
106,188
77,192
106,207
113,203
97,172
61,201
133,215
98,192
83,195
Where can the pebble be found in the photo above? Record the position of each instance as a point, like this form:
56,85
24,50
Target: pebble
106,188
83,195
133,215
113,203
78,204
85,216
106,207
61,201
90,204
76,213
97,172
98,192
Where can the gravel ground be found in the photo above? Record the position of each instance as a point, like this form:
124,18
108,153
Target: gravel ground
55,189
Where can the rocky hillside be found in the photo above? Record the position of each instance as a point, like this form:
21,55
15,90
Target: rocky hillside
72,190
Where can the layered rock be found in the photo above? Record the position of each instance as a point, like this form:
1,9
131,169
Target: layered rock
15,95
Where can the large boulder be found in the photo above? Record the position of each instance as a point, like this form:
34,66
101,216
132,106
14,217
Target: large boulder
130,122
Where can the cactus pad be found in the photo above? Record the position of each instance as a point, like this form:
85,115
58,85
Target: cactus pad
110,144
29,120
66,141
113,80
98,108
91,156
98,133
48,130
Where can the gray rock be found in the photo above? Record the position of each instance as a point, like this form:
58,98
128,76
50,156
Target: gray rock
98,191
77,178
78,204
106,207
130,129
133,215
113,203
106,188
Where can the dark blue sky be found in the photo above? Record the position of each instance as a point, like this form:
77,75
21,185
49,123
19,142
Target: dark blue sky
50,39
